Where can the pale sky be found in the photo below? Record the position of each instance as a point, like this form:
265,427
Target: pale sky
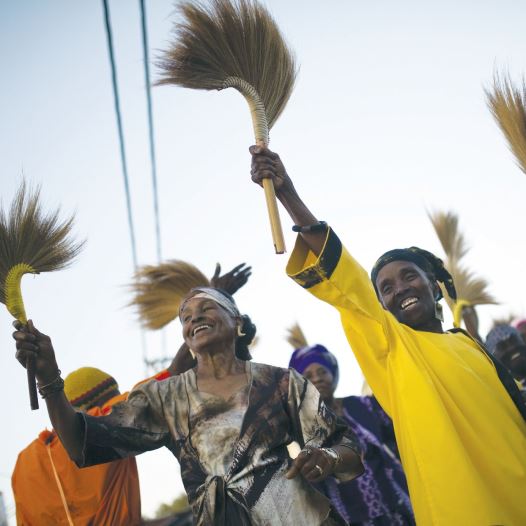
388,120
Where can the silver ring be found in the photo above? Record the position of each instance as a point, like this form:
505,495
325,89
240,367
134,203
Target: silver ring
307,451
320,470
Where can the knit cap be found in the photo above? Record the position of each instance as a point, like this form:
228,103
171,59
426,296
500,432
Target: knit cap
88,387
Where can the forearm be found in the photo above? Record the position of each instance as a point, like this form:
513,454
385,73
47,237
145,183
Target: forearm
302,216
66,423
351,462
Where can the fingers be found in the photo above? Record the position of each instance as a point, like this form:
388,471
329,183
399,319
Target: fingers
311,464
264,164
217,271
23,356
18,325
237,268
22,336
299,463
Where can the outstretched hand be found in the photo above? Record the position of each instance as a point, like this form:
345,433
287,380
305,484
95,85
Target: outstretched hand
313,464
232,281
31,342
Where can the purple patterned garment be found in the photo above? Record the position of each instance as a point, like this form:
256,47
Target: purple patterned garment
380,496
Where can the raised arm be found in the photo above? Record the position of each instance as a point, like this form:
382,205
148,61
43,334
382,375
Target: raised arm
30,341
268,165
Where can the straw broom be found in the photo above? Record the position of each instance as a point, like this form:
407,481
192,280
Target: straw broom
296,337
471,290
31,242
508,105
235,44
159,289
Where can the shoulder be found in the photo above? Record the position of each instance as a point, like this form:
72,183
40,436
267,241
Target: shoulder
266,375
264,369
153,388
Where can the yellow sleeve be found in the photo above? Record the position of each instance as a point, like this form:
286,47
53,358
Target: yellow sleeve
338,279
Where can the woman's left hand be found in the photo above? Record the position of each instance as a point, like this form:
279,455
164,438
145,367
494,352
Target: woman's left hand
313,463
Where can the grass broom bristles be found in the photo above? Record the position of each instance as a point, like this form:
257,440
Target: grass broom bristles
508,105
295,337
31,242
159,289
226,40
235,43
469,287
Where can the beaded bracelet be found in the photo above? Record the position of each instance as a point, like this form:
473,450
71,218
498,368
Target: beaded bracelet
52,387
320,226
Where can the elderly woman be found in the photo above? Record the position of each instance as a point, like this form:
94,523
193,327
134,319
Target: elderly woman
380,496
458,416
228,421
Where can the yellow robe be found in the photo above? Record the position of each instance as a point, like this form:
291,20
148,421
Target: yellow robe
461,438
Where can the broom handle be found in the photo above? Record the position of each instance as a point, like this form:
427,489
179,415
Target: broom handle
31,382
273,212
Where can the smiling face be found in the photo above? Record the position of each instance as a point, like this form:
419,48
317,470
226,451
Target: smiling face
207,325
322,379
406,291
512,353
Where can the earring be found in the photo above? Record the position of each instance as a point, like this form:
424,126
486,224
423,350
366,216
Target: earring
240,331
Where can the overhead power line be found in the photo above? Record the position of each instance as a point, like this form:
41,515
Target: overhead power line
120,132
150,128
124,165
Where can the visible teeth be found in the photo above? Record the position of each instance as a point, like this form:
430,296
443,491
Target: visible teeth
200,328
407,302
514,356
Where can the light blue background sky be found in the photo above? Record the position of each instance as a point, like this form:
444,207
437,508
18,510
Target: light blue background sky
388,119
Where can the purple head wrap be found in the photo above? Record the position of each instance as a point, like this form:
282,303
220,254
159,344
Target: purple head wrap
499,334
302,358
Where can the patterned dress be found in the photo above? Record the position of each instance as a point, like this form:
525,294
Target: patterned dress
245,484
380,495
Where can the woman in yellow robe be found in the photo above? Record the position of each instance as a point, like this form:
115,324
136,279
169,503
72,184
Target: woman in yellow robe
459,422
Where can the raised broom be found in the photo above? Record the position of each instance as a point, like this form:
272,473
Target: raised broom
31,242
235,44
471,290
508,105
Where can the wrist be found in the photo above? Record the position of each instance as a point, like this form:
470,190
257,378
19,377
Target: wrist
52,387
333,455
46,377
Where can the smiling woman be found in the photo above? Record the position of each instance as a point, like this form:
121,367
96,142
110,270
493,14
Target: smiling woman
448,399
227,420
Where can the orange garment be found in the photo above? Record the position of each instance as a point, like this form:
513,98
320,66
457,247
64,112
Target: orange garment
103,495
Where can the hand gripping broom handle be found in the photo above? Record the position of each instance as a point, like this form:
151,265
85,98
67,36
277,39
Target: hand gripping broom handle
260,124
15,305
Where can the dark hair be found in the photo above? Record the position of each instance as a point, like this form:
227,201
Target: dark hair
243,342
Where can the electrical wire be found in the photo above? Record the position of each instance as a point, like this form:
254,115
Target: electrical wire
116,101
109,37
153,161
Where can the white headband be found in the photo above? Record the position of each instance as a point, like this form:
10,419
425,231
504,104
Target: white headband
215,295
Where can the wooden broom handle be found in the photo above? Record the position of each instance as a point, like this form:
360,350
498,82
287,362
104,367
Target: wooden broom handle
273,212
31,382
